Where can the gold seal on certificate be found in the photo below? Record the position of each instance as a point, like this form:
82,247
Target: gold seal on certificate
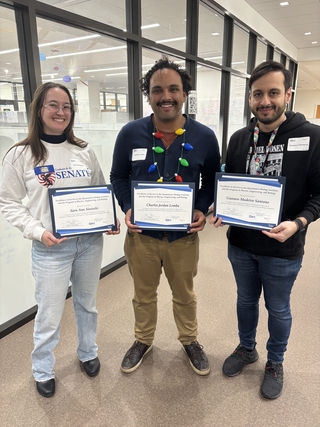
251,201
82,210
162,206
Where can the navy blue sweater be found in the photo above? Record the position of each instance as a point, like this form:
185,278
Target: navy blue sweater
204,162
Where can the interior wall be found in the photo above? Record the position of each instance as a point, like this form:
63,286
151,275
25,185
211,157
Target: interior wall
306,101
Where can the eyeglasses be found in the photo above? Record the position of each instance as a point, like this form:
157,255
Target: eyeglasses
53,106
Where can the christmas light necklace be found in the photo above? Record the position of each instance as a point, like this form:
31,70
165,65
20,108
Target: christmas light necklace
156,149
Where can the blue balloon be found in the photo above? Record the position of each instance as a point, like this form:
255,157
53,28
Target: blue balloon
42,57
67,79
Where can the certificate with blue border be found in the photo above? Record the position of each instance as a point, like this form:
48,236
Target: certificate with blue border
162,206
82,210
250,201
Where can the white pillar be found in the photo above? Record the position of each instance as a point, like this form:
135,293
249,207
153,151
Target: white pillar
88,102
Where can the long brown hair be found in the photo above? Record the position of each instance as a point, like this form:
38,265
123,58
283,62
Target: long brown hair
39,152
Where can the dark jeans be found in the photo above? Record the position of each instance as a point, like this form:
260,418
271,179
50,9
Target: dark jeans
276,277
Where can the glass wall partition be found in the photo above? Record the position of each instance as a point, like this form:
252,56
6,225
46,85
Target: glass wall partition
12,105
208,99
16,284
210,41
261,52
240,49
110,12
165,22
277,56
237,101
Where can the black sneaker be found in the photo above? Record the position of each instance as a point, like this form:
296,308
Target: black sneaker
198,358
273,380
234,364
133,357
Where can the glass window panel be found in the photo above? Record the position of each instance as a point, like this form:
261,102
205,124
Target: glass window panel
276,56
149,57
82,59
164,22
22,106
237,99
208,99
122,103
15,266
261,52
19,91
240,49
111,102
210,42
288,63
111,12
12,105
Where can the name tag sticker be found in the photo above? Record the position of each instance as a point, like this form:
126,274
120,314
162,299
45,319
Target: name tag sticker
77,164
299,144
139,154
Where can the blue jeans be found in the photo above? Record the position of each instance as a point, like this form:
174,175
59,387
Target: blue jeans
77,260
276,276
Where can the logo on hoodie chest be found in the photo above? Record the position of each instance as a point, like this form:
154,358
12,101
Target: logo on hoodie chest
46,175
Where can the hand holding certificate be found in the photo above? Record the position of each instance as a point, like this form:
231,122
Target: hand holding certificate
82,210
250,201
165,206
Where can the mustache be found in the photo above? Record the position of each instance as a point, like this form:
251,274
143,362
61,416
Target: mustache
265,106
159,104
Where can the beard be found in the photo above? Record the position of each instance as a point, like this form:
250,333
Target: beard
268,120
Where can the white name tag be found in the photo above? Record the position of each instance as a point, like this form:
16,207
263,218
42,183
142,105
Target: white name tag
299,144
139,154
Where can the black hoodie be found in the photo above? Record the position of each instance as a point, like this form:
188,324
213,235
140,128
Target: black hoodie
302,171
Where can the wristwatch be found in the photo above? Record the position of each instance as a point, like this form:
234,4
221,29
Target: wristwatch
300,225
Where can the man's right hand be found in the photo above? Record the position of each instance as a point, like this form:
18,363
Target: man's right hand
132,227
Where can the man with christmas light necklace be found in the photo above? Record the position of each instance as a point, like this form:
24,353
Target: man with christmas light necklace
167,146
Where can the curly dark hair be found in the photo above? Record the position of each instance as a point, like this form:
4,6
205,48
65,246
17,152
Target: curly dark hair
161,64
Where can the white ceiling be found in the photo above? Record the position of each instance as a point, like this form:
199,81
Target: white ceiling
293,21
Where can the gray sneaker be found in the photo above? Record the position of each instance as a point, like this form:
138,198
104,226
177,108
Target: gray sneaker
198,358
234,364
273,380
133,357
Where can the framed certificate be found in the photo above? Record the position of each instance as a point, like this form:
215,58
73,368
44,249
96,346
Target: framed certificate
82,210
162,206
250,201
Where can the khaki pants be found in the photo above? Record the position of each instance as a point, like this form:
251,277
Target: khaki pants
146,256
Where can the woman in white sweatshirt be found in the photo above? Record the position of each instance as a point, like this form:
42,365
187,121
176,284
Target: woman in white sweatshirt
52,157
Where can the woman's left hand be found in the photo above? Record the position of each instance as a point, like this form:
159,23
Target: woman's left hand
117,231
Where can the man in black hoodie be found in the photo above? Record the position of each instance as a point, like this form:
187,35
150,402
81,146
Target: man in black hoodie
275,143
